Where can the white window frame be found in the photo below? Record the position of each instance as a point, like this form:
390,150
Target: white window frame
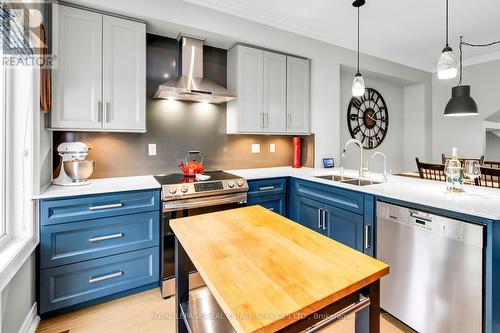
22,234
4,226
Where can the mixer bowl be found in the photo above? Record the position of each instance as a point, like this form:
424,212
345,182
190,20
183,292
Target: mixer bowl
79,171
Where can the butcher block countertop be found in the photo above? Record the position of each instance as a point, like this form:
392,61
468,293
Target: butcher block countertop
266,271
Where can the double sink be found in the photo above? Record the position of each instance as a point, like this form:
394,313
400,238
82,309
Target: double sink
349,180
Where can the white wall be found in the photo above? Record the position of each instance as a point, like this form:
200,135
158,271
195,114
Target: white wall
466,133
393,95
415,125
18,297
170,17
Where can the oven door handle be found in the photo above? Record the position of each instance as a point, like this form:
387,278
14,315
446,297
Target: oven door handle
171,206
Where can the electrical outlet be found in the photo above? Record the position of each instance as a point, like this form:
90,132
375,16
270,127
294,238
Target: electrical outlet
152,149
255,148
272,148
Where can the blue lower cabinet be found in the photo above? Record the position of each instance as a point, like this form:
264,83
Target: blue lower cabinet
67,243
309,214
97,247
345,227
270,193
68,285
343,215
275,203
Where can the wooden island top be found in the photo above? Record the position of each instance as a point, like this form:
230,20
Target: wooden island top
266,271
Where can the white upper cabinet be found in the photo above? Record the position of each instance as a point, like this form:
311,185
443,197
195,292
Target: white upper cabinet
274,92
246,80
124,74
298,95
261,82
99,83
77,78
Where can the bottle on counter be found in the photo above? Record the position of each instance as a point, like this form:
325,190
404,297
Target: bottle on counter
454,172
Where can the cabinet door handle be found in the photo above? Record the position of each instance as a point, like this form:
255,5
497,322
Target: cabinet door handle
116,205
99,111
324,219
106,110
267,120
261,120
367,236
319,218
103,238
266,188
289,123
105,277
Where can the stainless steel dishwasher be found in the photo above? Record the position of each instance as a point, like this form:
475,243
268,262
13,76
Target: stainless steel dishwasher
435,283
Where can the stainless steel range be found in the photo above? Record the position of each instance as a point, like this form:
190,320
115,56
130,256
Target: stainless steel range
185,196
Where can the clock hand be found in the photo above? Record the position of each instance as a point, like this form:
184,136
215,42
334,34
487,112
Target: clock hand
374,119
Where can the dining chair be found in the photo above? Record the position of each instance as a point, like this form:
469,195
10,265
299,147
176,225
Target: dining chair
490,177
462,159
491,164
431,171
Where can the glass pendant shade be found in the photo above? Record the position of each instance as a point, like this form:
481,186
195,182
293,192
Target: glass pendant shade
358,85
447,67
461,103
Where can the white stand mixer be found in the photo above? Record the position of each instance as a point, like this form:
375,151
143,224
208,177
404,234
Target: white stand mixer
71,151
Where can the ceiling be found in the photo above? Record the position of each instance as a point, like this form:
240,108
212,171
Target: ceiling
409,32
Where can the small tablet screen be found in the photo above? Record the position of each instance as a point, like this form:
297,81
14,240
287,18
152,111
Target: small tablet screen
328,162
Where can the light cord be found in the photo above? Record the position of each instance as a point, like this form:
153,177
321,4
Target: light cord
447,13
471,45
358,39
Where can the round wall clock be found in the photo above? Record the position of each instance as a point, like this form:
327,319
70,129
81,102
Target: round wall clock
368,119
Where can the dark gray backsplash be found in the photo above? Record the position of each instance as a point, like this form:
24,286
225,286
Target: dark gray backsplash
176,127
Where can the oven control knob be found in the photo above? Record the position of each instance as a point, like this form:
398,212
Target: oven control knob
172,189
230,184
239,182
184,188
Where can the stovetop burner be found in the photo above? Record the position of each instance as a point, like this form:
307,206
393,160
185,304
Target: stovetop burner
179,178
176,186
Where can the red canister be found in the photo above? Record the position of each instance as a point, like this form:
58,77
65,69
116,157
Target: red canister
296,152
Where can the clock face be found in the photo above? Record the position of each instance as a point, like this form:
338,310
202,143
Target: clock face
368,119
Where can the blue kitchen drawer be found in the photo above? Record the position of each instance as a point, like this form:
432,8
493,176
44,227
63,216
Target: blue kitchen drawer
330,195
270,186
76,283
275,203
66,243
96,206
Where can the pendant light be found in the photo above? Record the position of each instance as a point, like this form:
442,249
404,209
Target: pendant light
358,84
461,103
447,64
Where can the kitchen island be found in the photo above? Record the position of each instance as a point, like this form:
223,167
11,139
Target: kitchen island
267,273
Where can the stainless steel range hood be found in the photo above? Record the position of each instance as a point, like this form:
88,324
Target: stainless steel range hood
190,85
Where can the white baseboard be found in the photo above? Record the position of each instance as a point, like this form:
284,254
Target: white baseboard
31,321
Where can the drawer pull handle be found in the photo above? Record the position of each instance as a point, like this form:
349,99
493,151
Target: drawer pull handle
105,277
103,238
266,188
393,217
116,205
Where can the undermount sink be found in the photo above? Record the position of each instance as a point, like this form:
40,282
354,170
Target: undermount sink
349,180
360,182
336,178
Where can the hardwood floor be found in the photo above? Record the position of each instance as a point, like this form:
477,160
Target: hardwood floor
149,312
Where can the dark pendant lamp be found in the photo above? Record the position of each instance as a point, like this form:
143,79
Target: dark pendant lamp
358,84
461,103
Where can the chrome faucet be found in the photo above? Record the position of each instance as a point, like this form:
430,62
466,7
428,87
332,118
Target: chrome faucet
347,144
386,178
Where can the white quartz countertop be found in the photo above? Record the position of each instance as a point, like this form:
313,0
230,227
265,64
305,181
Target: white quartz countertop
482,202
98,186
